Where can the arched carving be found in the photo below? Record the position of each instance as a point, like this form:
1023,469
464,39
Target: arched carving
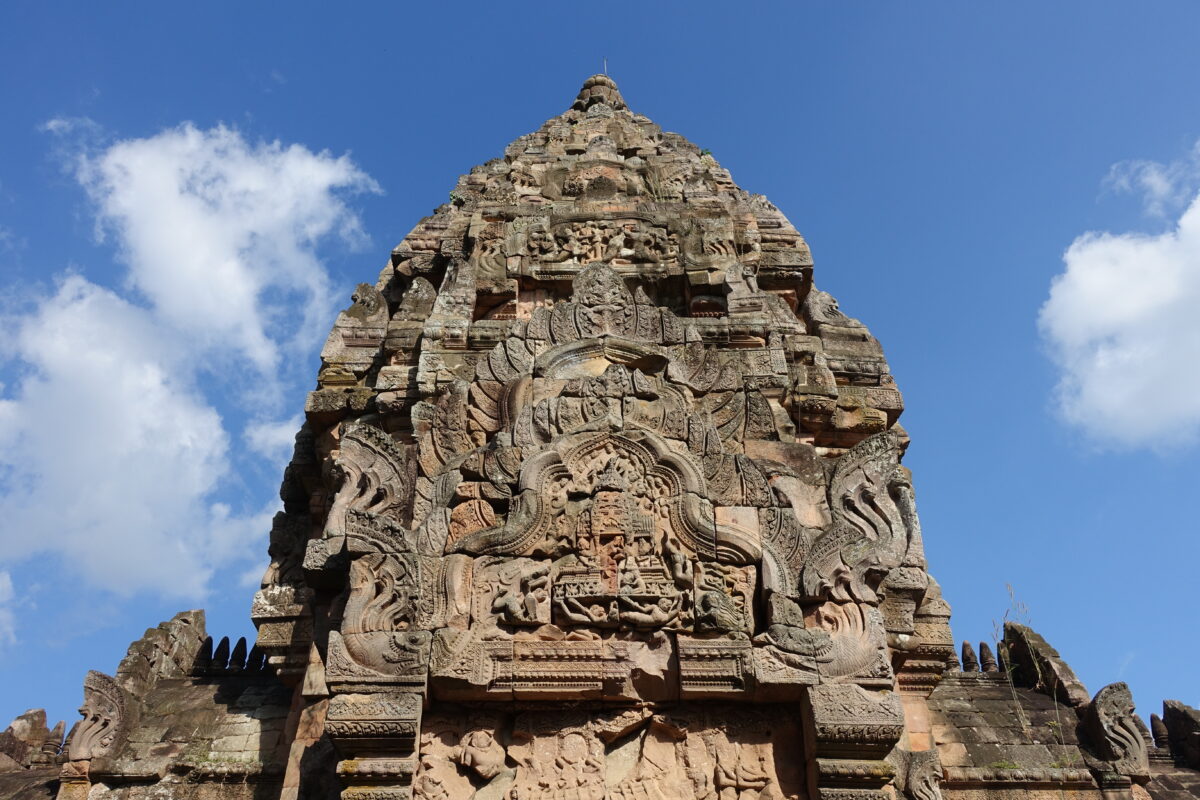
667,484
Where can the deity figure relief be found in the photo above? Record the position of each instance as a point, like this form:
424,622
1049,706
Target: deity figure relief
480,752
745,772
523,594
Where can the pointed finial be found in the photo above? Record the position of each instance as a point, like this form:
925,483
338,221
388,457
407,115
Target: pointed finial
237,661
204,657
952,664
1159,731
220,658
969,662
987,661
256,660
599,89
606,66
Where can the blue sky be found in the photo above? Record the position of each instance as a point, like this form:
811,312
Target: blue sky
1005,193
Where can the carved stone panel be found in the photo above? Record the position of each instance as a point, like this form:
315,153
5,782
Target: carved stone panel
691,752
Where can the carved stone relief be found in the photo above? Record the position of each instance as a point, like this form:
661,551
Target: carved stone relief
103,717
1116,736
533,483
715,753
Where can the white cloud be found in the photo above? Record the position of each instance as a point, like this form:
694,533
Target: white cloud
113,456
1121,324
8,618
274,441
220,234
1165,188
108,449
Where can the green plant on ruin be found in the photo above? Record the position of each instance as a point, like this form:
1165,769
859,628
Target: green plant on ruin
1017,611
1065,762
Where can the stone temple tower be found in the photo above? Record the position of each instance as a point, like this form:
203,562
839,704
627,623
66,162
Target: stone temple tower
599,496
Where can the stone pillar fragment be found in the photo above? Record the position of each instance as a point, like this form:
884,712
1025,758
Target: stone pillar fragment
849,731
375,735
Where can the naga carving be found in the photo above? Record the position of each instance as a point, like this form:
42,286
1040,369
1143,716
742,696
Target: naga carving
874,526
1116,735
918,774
103,720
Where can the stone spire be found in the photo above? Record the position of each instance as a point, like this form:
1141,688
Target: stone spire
597,395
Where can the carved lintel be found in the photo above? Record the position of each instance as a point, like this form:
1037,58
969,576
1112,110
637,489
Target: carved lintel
839,793
714,667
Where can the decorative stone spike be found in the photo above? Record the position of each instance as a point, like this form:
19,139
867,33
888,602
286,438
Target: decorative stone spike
987,661
1002,658
969,662
254,661
1159,732
220,659
237,660
204,657
952,662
